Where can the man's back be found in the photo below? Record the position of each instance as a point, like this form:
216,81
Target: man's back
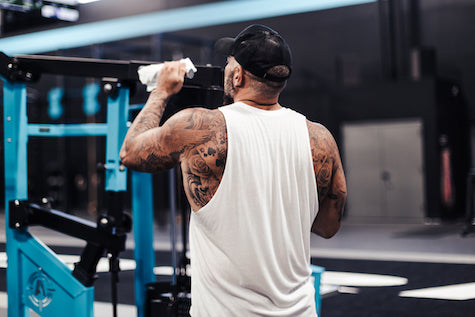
203,148
257,202
249,245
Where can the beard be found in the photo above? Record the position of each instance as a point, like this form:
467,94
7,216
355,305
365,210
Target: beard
228,97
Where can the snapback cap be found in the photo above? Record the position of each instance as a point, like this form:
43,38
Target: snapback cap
257,49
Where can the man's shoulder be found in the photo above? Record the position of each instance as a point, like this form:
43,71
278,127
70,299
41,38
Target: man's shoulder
204,113
321,139
317,130
198,116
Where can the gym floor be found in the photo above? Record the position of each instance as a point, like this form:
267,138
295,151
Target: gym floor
371,270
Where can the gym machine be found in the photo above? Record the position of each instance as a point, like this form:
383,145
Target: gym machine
36,278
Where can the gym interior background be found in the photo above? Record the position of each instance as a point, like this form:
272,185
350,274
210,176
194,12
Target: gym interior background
392,80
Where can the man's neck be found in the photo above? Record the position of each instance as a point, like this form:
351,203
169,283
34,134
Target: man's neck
265,104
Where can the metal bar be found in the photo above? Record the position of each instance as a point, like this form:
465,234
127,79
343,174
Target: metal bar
217,13
29,261
16,186
89,67
24,214
117,115
32,66
76,66
317,272
142,213
62,130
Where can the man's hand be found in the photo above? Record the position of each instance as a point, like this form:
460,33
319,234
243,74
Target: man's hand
143,144
171,77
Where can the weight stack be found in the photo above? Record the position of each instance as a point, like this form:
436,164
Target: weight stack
164,300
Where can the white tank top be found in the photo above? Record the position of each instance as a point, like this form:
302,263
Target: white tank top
250,245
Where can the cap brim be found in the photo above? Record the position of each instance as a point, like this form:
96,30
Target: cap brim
224,45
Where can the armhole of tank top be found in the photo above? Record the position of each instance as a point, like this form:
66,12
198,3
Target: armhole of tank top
209,204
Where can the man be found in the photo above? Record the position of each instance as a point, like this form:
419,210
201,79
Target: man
251,170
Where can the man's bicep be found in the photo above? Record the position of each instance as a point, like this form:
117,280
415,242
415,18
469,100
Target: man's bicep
161,148
153,151
325,157
337,185
330,181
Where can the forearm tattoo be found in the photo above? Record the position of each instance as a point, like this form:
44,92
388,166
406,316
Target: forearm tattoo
151,114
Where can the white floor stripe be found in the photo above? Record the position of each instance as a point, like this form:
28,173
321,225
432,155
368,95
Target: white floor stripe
449,292
351,254
448,258
330,279
361,279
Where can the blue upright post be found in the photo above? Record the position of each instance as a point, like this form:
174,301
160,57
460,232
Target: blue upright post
15,142
142,213
36,278
117,114
317,272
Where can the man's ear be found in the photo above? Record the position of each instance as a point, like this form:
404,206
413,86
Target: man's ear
238,77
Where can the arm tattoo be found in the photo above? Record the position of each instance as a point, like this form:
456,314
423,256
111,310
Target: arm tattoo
328,169
152,113
204,161
195,137
148,118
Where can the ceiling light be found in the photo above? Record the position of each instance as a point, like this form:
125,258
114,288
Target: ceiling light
86,1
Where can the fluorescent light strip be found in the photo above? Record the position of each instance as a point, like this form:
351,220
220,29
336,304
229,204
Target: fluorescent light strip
162,21
67,2
86,1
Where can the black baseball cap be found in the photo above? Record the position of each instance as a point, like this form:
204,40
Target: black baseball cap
257,49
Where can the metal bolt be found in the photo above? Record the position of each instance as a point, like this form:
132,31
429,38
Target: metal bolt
9,118
44,200
104,221
29,75
108,87
10,66
17,203
9,140
121,167
17,225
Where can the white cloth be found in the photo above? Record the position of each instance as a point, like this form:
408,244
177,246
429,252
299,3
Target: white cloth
148,75
250,245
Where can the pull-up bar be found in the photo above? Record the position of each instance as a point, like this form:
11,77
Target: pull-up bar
28,68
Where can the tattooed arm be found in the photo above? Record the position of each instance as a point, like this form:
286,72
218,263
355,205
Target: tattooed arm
330,179
148,147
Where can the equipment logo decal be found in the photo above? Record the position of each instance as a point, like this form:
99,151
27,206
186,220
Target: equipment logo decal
39,290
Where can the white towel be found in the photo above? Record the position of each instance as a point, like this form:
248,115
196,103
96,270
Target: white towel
148,75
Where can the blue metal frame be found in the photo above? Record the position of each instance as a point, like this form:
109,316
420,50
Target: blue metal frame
142,213
317,272
36,278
